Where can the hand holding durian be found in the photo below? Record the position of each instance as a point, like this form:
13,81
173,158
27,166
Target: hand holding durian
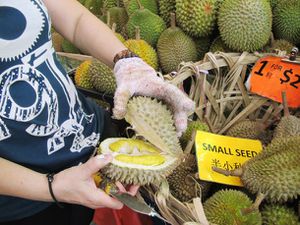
135,77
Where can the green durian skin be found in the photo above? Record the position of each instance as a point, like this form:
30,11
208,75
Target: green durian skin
151,26
245,25
147,4
196,17
218,45
191,127
276,214
275,172
94,6
102,77
165,8
286,23
174,47
225,207
287,127
119,16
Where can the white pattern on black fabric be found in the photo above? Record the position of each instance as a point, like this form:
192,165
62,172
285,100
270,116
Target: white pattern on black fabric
12,49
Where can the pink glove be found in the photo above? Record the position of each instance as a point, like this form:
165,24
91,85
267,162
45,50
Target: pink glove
135,77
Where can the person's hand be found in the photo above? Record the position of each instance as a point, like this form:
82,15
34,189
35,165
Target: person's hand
135,77
76,185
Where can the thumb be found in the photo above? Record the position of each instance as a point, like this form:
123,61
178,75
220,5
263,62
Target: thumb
121,98
94,164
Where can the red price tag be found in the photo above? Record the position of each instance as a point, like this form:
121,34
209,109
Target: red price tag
270,76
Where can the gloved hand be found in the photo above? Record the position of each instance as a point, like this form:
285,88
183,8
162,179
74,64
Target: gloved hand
135,77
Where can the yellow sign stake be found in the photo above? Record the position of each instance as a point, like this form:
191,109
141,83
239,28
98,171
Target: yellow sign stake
224,152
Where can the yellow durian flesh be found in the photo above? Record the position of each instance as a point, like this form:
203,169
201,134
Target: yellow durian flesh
136,161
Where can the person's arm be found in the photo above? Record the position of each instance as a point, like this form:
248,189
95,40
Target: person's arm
84,29
73,185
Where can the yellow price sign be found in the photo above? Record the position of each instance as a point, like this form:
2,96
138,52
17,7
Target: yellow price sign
225,152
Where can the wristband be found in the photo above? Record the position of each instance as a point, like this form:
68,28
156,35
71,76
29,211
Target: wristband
124,54
50,178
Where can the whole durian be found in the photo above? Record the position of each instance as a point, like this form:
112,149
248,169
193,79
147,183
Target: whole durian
226,207
144,162
286,24
183,183
279,215
143,50
150,24
274,172
245,25
196,17
174,47
102,77
279,44
82,76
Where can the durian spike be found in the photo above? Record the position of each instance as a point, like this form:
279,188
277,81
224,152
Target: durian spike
285,104
173,20
237,172
255,206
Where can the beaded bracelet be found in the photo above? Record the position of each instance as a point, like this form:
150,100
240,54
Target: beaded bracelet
124,54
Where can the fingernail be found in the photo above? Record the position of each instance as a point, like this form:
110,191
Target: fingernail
104,157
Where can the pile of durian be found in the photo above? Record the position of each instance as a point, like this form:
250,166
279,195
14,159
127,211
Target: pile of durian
174,31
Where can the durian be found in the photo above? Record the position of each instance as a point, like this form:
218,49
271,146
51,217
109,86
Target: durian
165,8
150,24
279,215
196,18
102,77
144,162
143,50
218,45
82,76
174,47
245,25
286,24
274,172
280,44
134,5
94,6
192,126
226,207
183,182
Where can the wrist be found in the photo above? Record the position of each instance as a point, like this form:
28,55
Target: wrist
50,179
126,53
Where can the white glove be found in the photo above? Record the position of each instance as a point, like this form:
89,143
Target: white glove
135,77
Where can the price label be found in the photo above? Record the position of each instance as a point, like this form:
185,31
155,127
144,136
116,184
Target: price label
270,76
229,153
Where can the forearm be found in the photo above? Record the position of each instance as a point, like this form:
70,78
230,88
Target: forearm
84,29
19,181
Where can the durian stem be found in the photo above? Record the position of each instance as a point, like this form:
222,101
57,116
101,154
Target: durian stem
137,33
108,18
140,4
285,104
173,20
255,206
237,172
114,27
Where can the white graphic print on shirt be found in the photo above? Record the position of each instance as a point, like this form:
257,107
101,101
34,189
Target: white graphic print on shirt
21,48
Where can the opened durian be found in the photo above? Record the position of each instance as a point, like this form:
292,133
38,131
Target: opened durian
143,162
